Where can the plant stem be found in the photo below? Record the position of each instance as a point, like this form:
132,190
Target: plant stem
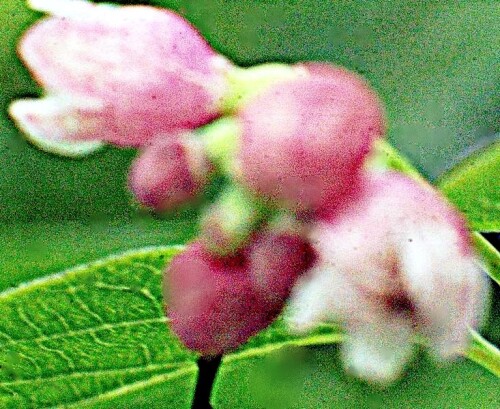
221,140
245,83
484,354
207,370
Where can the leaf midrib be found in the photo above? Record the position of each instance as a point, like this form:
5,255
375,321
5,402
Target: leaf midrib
82,374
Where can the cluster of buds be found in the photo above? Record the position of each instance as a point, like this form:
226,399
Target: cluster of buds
300,217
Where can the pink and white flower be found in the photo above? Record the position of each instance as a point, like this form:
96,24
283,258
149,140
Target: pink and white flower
121,75
396,262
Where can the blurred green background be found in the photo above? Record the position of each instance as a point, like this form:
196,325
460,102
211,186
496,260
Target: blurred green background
434,63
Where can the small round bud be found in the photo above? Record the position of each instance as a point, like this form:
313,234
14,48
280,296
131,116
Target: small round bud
212,304
169,172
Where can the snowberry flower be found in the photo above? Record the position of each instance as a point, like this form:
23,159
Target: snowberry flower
170,171
396,262
216,303
121,75
304,140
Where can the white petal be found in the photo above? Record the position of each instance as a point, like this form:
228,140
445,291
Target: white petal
74,9
323,294
448,288
49,124
308,304
378,351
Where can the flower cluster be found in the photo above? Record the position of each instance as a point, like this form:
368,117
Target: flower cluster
301,216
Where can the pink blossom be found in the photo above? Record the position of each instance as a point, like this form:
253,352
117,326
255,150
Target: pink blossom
170,171
276,260
304,140
396,262
121,75
216,303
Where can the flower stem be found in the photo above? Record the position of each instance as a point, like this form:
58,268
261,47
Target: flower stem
246,83
484,353
207,370
221,139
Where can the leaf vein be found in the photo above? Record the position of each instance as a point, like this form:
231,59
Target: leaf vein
24,318
84,307
62,354
103,327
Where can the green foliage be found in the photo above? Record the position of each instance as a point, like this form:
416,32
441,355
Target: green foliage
313,378
85,332
30,250
96,337
474,187
491,257
97,333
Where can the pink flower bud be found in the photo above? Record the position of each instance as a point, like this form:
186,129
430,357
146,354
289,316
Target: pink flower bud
169,172
216,303
119,74
275,262
304,140
397,261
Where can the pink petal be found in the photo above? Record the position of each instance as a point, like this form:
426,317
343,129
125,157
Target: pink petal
398,255
324,294
150,67
378,351
448,289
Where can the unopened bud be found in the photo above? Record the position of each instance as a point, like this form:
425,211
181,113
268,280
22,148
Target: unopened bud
304,140
216,303
169,172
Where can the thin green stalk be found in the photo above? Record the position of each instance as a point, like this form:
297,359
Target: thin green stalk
484,353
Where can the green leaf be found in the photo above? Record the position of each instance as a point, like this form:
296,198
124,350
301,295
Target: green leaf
484,353
96,335
385,156
314,378
474,188
491,257
86,332
30,250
